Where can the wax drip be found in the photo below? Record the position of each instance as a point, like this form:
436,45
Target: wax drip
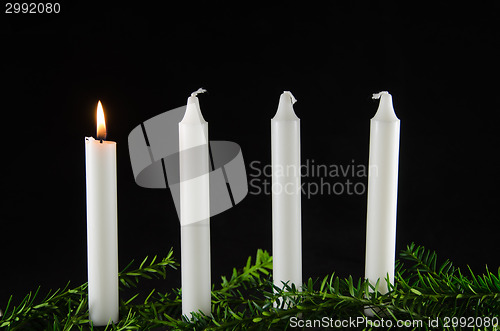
291,96
198,91
379,94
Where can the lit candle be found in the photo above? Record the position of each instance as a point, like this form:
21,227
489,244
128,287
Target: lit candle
382,194
102,238
194,209
286,194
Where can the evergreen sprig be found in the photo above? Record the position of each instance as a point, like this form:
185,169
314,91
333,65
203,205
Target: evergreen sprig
423,290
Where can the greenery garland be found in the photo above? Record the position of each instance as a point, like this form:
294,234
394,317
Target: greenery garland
425,295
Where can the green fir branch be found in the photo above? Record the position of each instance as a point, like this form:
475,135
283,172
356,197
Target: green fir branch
423,290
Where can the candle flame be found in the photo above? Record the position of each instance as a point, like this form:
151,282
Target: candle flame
101,123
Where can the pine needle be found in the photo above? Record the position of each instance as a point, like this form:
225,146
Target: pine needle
423,291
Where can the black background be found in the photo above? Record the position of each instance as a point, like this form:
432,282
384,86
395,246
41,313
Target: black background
440,63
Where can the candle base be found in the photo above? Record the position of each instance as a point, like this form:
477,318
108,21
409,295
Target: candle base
195,269
101,323
375,311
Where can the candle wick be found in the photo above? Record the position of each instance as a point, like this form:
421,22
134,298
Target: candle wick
291,96
379,94
198,91
101,141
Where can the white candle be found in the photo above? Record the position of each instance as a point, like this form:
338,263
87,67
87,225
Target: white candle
382,194
286,194
194,210
102,238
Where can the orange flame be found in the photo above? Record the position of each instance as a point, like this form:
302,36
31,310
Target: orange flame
101,123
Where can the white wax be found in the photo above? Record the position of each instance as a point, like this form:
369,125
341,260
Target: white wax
286,194
194,210
102,237
382,194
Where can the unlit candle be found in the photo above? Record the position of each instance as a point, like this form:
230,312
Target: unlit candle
382,194
286,194
194,210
